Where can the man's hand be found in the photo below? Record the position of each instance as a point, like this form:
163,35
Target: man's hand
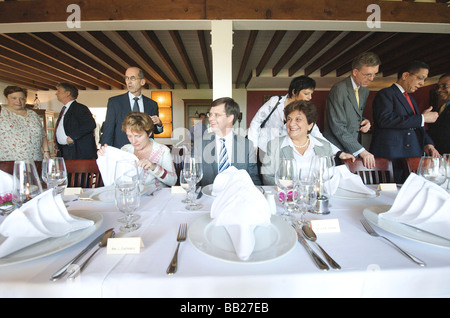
429,116
368,159
431,151
156,120
364,126
69,140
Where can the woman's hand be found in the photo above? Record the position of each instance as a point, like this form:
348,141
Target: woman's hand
344,156
102,150
146,164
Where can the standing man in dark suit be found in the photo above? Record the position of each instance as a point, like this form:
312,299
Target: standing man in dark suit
399,130
346,101
223,148
75,126
133,101
440,130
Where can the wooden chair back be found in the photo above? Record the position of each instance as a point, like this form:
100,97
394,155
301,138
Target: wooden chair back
8,167
383,171
411,165
83,173
177,156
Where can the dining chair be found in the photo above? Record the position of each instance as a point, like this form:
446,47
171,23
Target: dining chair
177,156
383,171
411,164
8,166
83,173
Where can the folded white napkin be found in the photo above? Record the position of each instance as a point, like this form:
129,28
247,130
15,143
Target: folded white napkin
6,182
345,179
107,163
40,218
240,207
422,204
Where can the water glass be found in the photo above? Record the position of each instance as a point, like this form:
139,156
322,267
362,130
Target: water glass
54,174
286,179
185,185
446,157
26,183
307,197
192,173
432,169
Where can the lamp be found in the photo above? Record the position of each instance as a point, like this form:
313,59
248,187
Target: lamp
164,100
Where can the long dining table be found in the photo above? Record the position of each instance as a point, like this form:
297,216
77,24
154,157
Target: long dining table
370,267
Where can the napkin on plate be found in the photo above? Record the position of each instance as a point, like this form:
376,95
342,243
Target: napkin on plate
422,204
42,217
6,182
240,207
345,179
107,163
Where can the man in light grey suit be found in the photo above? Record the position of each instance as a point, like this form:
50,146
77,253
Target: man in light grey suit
239,150
345,107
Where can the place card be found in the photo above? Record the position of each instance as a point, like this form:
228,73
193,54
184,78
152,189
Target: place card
387,187
325,226
177,189
73,191
124,245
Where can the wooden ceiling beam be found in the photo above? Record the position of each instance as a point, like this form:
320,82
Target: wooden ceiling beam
27,75
204,49
9,77
271,47
248,50
184,55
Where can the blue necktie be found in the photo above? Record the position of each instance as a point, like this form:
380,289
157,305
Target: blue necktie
223,157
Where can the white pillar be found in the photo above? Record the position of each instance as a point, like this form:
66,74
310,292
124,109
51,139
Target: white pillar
222,46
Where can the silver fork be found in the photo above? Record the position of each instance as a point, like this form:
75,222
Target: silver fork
372,232
181,237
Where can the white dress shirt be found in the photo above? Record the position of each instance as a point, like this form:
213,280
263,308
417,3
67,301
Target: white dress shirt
61,135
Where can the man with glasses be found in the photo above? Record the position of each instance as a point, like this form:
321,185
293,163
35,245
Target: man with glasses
344,121
440,130
132,101
223,148
399,127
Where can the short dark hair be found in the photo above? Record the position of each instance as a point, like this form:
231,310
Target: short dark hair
444,75
306,107
231,107
299,83
412,67
366,58
14,89
69,88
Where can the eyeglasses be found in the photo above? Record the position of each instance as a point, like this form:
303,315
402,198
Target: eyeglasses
369,76
215,115
131,78
442,86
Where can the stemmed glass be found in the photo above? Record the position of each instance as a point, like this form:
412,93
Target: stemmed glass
307,196
432,169
185,185
54,173
192,173
127,194
286,179
446,157
26,183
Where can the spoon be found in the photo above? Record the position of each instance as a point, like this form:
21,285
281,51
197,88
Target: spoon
102,244
310,235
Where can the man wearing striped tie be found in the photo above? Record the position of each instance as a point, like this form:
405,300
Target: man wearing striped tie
223,148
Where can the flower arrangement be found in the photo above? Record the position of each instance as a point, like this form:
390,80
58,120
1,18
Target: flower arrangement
6,199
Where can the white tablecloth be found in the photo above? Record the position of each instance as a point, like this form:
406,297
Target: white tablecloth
370,266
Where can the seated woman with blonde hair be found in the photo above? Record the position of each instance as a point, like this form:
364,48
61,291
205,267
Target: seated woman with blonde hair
154,158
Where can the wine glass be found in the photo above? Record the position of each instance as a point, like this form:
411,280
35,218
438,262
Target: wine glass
446,157
307,196
127,193
26,183
324,170
54,173
432,169
185,185
192,173
286,179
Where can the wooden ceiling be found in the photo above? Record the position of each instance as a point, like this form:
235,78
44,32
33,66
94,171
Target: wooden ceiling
181,58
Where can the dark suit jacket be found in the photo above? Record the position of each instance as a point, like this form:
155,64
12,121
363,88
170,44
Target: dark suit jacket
244,157
79,125
343,116
117,109
397,130
440,131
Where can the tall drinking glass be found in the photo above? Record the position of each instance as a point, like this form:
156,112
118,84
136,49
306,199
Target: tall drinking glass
185,185
286,179
127,193
54,173
26,183
432,169
193,173
307,196
446,157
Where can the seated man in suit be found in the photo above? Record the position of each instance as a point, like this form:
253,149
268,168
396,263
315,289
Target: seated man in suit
223,147
398,125
132,101
440,130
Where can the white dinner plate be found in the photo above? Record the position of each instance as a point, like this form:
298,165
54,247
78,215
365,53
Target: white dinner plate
55,244
351,195
272,242
207,190
103,194
372,215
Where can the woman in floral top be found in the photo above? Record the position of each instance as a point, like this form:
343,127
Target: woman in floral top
21,131
154,158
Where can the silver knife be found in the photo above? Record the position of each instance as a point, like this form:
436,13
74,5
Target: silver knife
60,273
319,262
200,193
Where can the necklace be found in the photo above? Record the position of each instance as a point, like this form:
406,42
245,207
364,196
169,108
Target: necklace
302,146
